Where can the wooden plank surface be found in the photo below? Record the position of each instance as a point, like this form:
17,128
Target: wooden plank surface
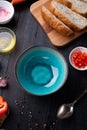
56,38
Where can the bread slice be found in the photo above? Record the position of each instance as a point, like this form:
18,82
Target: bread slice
78,6
55,23
69,17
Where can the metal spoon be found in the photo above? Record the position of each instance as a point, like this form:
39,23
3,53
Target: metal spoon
66,110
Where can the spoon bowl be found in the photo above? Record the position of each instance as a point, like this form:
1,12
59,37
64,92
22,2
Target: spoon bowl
65,111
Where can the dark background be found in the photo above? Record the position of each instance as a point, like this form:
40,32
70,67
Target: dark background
28,112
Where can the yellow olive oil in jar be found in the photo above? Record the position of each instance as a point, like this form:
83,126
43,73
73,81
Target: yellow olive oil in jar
7,40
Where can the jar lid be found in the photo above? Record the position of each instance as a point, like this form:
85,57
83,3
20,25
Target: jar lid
7,40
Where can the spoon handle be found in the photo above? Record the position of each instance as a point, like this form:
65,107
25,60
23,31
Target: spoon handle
83,93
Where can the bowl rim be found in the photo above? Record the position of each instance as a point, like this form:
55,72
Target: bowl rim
73,50
46,47
11,7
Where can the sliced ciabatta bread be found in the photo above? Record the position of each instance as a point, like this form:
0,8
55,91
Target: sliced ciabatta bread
55,23
78,6
69,17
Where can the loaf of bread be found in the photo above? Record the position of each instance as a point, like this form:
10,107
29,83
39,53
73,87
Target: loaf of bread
55,23
69,17
78,6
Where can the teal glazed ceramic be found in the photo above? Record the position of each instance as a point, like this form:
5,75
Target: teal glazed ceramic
41,70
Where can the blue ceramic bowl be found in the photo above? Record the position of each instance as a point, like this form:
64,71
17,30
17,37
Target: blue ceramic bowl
41,70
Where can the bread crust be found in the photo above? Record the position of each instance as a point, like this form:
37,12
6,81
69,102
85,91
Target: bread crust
63,18
55,23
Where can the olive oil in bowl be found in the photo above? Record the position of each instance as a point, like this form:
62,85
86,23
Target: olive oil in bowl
7,40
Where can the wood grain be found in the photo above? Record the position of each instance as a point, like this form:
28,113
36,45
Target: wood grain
55,38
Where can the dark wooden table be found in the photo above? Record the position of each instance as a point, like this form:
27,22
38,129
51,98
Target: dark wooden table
28,112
